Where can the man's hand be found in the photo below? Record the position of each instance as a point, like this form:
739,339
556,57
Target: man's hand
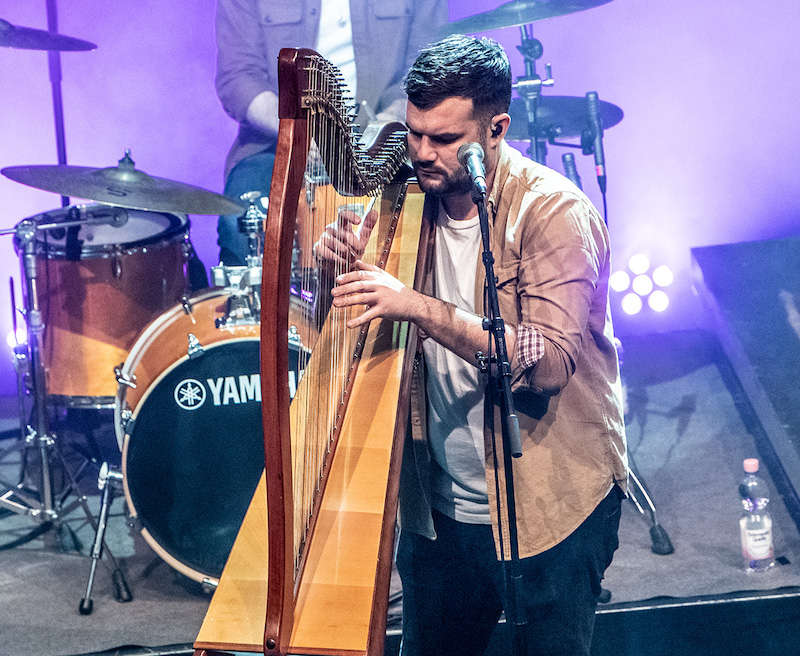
383,294
386,297
342,242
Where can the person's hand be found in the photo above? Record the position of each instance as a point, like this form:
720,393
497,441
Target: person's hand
343,241
383,294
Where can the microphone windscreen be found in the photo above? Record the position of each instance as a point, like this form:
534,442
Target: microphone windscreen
468,149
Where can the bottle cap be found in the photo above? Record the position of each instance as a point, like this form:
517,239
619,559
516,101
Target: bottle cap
751,465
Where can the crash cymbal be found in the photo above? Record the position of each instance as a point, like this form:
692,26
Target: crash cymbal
123,186
29,38
520,12
558,117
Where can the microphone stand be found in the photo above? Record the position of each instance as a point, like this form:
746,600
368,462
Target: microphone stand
509,428
529,88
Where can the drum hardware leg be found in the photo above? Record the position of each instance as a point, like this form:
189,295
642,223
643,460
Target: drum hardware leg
661,544
107,480
37,444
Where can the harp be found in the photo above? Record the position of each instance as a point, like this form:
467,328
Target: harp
309,571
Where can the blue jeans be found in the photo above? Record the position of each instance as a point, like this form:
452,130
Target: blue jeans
453,587
253,173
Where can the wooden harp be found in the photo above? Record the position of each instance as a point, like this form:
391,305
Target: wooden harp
309,571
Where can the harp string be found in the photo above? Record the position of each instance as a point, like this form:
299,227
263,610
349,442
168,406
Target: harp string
339,176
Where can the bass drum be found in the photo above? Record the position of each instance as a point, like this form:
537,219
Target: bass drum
190,432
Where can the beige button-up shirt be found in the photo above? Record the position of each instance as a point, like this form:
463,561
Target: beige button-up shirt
552,264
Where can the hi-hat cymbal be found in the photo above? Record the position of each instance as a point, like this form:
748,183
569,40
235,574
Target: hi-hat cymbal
520,12
29,38
123,186
558,117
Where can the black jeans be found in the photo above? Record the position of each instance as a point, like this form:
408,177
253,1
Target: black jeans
453,587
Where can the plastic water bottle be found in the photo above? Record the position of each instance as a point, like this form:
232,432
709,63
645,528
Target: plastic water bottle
755,524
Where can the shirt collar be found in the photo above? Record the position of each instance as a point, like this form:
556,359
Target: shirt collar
500,175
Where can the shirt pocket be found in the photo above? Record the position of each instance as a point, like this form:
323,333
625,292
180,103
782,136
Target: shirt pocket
395,9
277,13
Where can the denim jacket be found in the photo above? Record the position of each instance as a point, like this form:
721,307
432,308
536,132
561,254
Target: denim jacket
250,33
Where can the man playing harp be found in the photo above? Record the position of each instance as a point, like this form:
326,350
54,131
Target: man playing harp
551,249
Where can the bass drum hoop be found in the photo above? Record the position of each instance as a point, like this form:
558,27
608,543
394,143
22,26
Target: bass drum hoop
151,333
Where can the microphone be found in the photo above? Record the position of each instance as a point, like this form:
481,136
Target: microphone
470,156
113,216
568,160
593,115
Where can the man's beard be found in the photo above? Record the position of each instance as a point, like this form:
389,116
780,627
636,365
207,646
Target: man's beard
457,182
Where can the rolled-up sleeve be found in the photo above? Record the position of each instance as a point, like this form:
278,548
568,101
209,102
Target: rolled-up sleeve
561,257
242,69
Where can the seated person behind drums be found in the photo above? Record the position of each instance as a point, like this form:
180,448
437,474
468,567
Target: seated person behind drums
552,253
372,43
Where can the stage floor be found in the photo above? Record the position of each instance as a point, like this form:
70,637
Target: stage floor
689,428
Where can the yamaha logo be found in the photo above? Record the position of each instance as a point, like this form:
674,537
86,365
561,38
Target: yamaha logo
190,393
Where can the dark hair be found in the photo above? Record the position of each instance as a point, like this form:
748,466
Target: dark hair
462,66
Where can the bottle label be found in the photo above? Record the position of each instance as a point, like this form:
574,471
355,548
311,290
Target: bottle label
756,542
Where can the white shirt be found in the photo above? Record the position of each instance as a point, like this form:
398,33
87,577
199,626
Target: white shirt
455,395
335,39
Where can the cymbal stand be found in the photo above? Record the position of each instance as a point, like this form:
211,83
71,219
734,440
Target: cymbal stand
43,505
54,66
529,89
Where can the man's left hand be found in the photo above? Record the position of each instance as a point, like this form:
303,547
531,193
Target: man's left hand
383,294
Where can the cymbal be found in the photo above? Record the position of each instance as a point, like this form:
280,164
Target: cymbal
29,38
123,186
558,117
520,12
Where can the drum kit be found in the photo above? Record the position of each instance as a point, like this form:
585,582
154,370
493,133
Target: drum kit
113,324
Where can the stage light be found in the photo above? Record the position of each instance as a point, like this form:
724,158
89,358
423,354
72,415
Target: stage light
619,281
639,263
14,340
631,303
658,301
663,276
642,285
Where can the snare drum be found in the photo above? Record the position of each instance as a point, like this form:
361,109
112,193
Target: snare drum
191,432
98,287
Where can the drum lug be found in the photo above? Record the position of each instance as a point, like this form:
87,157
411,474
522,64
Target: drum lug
125,379
116,263
133,521
195,348
186,305
127,422
209,585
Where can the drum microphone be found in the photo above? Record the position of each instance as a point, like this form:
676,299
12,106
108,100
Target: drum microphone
470,156
113,216
568,160
593,115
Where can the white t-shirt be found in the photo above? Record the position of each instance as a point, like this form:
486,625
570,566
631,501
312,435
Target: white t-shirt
335,39
455,395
